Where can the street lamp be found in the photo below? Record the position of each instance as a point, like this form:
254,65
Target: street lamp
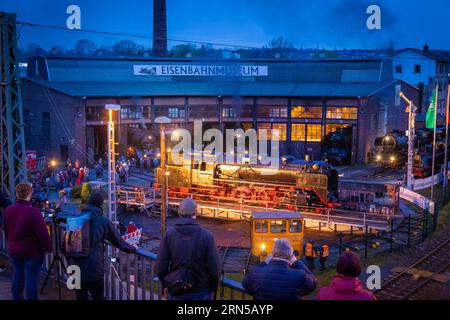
111,163
163,121
411,109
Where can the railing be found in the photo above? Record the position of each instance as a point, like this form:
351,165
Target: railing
132,276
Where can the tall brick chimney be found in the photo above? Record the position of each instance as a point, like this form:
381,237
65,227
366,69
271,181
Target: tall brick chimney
159,28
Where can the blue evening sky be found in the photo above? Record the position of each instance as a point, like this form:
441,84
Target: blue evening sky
305,23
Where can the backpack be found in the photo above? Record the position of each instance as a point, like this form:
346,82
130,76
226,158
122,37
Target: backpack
77,240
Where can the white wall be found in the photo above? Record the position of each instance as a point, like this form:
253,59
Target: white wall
408,59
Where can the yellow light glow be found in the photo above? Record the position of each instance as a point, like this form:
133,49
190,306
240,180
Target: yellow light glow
167,173
392,158
378,157
158,155
263,246
53,163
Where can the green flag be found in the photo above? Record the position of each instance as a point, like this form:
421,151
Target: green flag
430,117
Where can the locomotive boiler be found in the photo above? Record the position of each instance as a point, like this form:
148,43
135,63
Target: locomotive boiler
336,146
390,150
311,184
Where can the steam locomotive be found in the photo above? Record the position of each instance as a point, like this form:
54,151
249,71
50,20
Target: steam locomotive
336,146
305,183
391,150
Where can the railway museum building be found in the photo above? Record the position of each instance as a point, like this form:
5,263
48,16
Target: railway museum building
64,101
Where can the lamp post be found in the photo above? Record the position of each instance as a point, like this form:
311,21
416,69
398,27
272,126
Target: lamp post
111,162
411,109
164,197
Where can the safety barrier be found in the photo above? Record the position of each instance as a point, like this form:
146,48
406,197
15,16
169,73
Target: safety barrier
132,276
417,199
419,184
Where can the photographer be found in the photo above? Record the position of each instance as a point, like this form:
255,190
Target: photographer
93,266
28,240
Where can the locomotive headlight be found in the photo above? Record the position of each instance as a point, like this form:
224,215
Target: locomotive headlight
378,157
262,246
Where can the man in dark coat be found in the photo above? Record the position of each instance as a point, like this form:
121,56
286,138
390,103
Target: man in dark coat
93,267
188,244
280,277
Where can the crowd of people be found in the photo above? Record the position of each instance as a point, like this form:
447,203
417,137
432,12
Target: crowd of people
188,262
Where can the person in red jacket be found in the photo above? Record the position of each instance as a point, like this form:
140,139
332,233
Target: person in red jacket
346,285
28,240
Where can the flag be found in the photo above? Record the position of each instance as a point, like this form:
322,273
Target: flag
430,117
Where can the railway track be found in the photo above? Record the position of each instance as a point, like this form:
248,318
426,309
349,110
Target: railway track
234,259
409,285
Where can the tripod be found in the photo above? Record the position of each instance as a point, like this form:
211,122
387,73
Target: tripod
57,262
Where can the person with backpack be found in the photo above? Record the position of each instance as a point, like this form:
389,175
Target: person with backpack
323,253
92,262
188,262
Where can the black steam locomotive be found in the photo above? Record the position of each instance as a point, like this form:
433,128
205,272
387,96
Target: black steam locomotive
312,184
391,150
336,146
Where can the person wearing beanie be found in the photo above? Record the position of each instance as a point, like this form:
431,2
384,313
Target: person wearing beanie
92,267
188,253
346,284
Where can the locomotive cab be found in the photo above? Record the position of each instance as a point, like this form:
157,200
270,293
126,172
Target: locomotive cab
266,227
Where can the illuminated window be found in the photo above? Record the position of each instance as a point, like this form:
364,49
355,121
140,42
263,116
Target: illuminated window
229,112
282,129
261,226
246,125
295,226
298,132
264,126
278,226
278,112
175,112
306,112
331,127
314,133
342,113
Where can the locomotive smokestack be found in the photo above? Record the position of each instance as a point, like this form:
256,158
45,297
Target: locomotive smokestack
159,28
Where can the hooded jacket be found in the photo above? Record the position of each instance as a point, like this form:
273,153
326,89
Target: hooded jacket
345,288
278,280
93,267
188,243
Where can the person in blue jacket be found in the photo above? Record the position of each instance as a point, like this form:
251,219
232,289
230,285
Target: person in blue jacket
280,277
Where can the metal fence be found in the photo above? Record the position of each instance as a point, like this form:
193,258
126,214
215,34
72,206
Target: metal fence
132,276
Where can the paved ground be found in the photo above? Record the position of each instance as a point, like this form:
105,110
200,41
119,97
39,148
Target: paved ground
50,291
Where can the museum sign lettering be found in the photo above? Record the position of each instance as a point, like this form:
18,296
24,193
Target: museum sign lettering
200,70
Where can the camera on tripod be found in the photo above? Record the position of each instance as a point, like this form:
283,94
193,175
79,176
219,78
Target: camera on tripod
51,212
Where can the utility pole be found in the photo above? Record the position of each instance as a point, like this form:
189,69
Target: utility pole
112,196
445,180
163,174
411,109
13,165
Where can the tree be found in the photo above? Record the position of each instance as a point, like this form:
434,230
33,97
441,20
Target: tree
128,48
181,50
280,44
84,47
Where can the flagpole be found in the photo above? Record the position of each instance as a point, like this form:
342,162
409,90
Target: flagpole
445,180
434,141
